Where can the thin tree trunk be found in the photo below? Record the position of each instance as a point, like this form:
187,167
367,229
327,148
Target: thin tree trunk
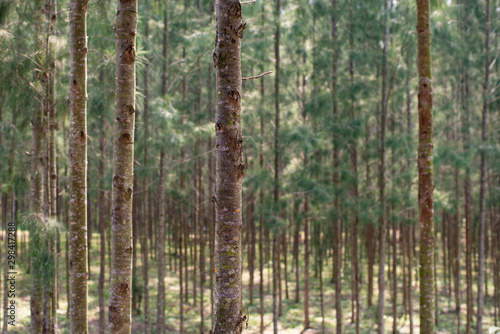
336,180
160,315
276,237
482,191
123,158
229,169
145,199
102,232
164,87
306,257
201,225
181,260
354,189
36,212
261,214
383,222
425,170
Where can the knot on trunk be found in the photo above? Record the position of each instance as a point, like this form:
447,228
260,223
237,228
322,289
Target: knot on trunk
128,56
233,96
235,9
241,169
239,31
126,139
129,109
118,181
128,194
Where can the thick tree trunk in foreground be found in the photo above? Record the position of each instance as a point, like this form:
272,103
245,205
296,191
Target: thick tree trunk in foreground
425,172
123,157
229,169
78,167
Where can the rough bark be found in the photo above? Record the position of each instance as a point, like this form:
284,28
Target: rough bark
425,170
78,167
229,169
123,157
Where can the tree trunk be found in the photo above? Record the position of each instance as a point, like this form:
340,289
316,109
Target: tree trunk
160,318
201,226
102,232
276,264
229,169
425,170
181,268
261,212
482,191
164,86
123,158
78,167
145,212
383,222
336,180
354,188
36,212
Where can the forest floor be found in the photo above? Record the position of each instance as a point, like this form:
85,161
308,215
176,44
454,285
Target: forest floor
290,323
